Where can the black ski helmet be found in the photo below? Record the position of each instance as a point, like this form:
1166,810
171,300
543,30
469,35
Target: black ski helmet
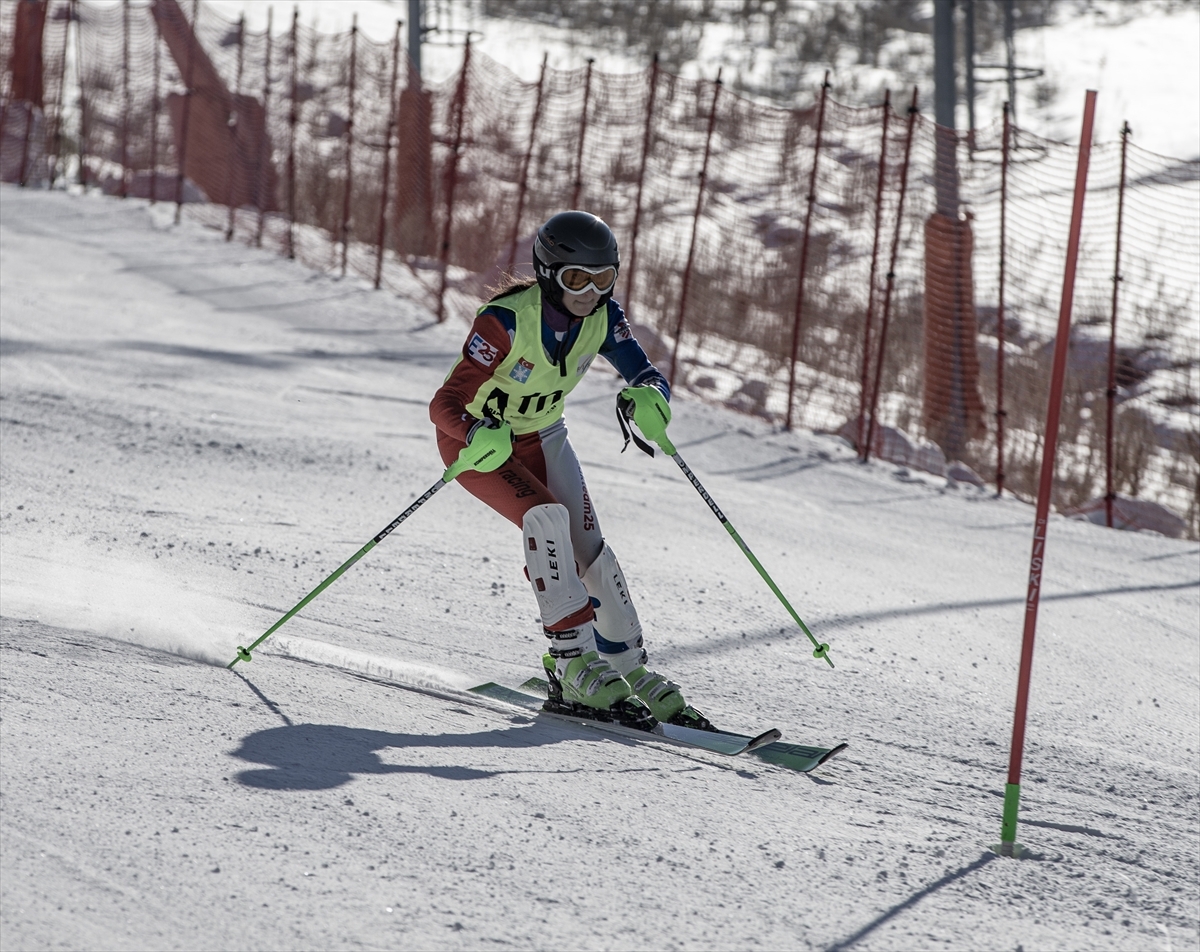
572,238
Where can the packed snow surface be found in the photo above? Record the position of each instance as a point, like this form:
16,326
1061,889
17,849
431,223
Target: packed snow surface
196,433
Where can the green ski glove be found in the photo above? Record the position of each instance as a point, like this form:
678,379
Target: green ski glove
489,445
650,413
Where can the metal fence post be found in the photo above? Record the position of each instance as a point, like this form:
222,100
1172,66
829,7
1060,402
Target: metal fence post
1110,393
460,107
381,229
687,271
1001,330
630,272
866,354
811,200
891,278
523,185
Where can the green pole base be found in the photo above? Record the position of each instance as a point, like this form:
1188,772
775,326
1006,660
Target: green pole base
1008,845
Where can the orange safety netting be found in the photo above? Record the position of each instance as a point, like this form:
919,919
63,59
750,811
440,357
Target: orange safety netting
791,263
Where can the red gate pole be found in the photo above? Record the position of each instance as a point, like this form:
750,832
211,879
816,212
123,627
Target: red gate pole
866,354
60,98
523,185
234,151
1110,394
637,205
687,271
1001,413
381,228
1012,790
349,144
891,278
811,199
293,115
193,40
123,191
156,104
264,156
460,106
583,124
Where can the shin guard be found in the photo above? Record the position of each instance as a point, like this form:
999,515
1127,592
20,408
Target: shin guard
563,601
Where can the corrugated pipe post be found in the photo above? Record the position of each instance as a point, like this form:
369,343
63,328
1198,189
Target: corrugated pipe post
647,133
381,228
583,124
193,39
293,116
891,278
691,255
1001,331
460,108
264,155
1110,393
523,185
863,398
810,199
1012,791
234,119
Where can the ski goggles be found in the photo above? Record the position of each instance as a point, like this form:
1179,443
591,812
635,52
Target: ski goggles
578,279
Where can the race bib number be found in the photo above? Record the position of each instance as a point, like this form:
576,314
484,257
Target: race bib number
481,351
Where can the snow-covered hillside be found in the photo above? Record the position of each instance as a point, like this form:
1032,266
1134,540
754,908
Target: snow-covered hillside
195,433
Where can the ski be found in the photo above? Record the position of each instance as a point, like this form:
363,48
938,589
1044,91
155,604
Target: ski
766,746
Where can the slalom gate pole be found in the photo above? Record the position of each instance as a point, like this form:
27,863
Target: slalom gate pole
459,466
1012,790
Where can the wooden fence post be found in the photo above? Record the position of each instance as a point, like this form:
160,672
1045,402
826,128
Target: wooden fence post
460,107
264,156
583,124
349,144
647,132
866,355
811,200
381,229
687,271
891,278
523,186
193,39
234,152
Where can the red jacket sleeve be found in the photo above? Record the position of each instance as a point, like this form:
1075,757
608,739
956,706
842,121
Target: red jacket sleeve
486,345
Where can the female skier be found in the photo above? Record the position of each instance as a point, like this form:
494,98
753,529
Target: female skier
529,347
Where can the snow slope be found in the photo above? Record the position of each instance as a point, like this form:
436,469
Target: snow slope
195,433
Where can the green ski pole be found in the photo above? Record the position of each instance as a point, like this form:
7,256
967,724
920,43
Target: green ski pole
483,458
821,650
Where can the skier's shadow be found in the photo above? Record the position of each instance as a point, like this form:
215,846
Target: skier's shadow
323,756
